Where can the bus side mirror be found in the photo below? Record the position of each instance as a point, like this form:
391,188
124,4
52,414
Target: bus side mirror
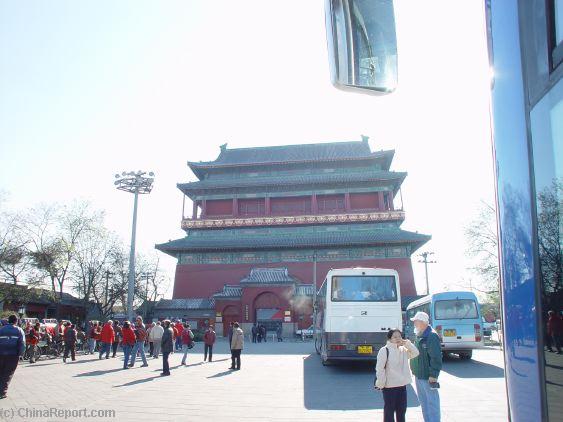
362,44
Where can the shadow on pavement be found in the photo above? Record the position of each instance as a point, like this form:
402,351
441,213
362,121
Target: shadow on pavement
95,373
160,368
141,381
39,364
343,386
221,374
471,369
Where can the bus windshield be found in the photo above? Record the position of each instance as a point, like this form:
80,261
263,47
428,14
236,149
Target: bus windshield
364,289
455,309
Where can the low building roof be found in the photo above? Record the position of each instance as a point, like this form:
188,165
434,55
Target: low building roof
269,276
194,303
229,292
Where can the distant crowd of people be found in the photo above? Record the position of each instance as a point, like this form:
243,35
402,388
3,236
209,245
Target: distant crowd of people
136,340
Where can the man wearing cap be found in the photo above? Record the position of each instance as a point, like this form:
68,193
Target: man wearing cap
426,367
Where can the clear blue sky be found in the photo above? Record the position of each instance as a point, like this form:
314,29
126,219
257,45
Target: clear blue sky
88,89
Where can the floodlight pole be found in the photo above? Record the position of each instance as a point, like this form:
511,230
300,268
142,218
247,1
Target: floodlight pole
131,281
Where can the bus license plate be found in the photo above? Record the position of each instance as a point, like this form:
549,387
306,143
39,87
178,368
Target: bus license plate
365,350
449,333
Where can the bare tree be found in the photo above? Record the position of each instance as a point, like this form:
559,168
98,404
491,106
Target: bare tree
151,282
15,259
55,234
482,247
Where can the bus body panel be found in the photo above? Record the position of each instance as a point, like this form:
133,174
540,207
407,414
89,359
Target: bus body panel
355,329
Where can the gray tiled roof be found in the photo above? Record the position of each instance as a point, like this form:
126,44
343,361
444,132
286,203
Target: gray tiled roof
305,290
229,291
304,179
294,240
292,153
195,303
268,276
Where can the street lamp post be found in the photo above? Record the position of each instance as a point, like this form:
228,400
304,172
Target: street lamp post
137,183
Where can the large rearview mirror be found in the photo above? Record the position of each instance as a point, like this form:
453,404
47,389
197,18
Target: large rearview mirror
362,44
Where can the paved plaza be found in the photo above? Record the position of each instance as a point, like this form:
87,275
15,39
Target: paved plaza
278,382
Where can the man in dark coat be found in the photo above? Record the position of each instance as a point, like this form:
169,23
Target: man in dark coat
167,346
254,332
70,343
12,346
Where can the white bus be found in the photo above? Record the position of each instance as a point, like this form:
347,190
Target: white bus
354,309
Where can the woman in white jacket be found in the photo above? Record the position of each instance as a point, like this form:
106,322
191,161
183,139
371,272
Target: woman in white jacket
393,374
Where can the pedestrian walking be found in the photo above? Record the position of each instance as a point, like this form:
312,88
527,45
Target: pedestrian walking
92,337
187,338
167,346
209,340
127,342
279,333
70,343
237,344
117,338
12,346
393,374
107,337
426,367
254,333
264,333
140,336
156,337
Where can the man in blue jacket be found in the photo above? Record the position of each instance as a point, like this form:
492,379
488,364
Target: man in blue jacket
12,346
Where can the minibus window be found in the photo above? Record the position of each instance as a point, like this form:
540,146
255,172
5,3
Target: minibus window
455,309
364,289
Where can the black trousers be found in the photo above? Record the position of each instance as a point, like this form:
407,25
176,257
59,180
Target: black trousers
165,366
254,338
114,347
72,349
395,400
8,365
208,348
151,348
235,358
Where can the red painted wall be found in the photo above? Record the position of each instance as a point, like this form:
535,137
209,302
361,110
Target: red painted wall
202,280
219,207
364,201
296,205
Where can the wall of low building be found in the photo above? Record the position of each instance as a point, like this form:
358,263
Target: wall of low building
203,280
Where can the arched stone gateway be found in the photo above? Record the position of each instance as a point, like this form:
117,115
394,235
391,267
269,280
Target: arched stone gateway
268,310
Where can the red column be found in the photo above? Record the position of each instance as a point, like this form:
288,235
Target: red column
347,206
267,207
390,200
381,203
203,208
314,204
194,212
235,207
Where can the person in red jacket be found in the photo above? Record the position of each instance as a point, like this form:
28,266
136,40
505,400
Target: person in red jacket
179,328
107,337
127,342
209,340
33,338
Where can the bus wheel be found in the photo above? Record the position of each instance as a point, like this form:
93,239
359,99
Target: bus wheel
466,355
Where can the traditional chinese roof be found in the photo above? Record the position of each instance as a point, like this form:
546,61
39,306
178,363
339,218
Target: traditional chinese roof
229,291
286,154
196,303
305,290
382,177
290,240
269,276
